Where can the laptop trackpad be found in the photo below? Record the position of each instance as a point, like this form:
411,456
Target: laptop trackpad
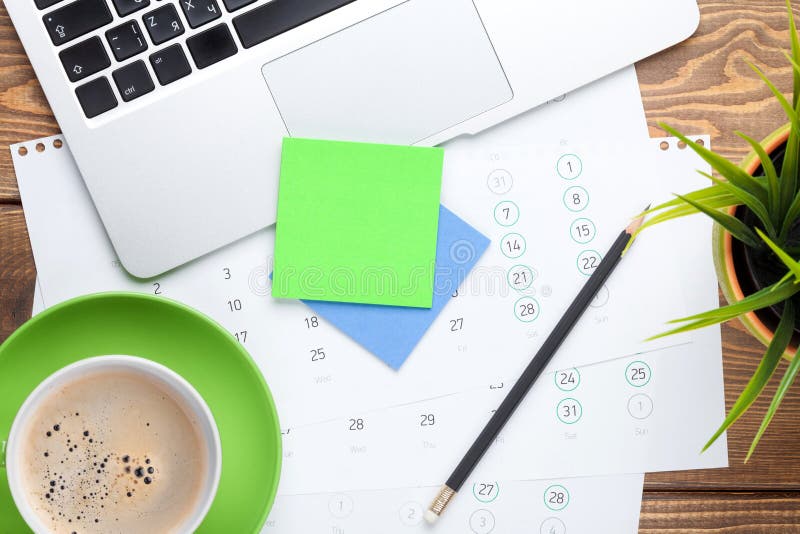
398,77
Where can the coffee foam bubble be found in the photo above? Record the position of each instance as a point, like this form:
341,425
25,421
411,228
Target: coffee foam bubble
113,451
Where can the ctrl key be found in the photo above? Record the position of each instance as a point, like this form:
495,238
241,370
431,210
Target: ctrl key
133,81
96,97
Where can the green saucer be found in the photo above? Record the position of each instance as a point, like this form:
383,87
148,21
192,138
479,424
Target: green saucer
187,342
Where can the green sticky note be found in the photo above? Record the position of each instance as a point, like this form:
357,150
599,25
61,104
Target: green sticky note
357,222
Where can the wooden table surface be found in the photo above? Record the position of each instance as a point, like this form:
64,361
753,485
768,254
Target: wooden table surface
700,86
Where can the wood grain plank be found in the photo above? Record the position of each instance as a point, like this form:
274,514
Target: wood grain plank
700,86
729,513
704,85
24,111
17,271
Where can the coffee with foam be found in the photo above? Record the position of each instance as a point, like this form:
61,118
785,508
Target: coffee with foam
113,451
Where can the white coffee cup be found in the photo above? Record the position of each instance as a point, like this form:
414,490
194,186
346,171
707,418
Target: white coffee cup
179,388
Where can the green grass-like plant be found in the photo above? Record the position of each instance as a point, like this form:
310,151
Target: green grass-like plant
774,200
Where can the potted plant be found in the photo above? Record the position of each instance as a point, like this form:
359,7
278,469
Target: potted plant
756,244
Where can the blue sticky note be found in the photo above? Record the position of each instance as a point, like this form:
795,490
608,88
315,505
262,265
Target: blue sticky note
392,332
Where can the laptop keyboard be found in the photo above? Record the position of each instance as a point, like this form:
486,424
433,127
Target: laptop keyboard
206,45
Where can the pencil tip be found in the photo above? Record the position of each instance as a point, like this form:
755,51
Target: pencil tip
636,223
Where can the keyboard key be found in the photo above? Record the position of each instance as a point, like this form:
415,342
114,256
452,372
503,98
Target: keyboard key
96,97
212,45
126,40
199,12
163,24
84,59
233,5
126,7
170,64
44,4
76,19
278,16
133,80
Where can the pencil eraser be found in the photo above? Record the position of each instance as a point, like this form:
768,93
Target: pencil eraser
430,517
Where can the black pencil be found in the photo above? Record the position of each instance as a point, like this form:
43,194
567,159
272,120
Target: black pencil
531,372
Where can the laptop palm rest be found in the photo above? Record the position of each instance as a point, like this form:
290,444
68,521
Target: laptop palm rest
398,77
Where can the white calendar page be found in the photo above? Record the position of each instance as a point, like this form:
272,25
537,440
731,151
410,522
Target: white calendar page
501,314
74,257
592,418
597,505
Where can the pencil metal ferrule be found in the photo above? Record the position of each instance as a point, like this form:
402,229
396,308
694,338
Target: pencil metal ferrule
441,501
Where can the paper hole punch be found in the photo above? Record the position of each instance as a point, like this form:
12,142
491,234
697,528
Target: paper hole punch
40,147
665,145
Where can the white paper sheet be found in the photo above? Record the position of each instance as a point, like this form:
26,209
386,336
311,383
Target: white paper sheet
395,429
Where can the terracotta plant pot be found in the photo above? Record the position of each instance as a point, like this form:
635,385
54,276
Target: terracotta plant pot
733,273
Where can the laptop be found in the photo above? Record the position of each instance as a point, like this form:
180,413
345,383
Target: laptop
175,109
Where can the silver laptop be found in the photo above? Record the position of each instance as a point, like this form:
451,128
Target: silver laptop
175,109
